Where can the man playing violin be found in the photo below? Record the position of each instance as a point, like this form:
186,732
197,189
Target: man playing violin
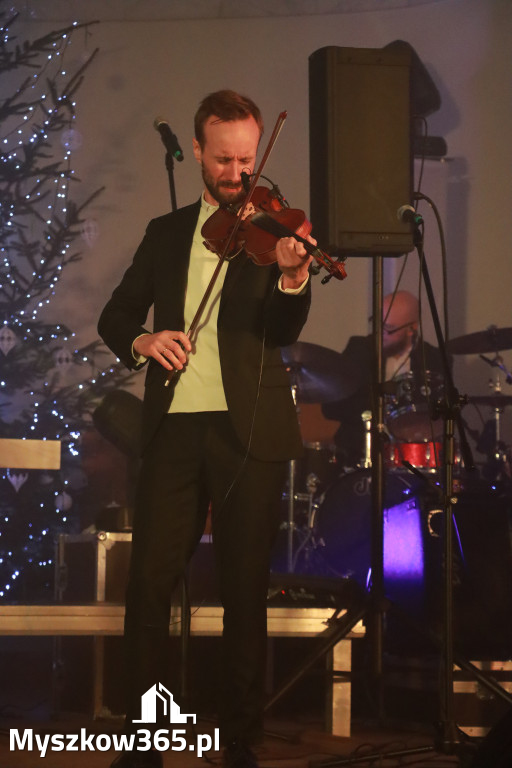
220,435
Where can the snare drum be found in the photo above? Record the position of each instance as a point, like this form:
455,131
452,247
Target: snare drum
408,409
426,455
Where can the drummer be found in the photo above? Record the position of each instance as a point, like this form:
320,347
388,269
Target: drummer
403,352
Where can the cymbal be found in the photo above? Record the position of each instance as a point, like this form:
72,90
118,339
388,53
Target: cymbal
491,340
496,401
319,373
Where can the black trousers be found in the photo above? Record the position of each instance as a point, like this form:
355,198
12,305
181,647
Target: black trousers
193,460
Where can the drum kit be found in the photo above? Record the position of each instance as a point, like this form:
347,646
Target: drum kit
328,520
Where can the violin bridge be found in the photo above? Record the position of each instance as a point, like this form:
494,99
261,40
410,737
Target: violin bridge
249,210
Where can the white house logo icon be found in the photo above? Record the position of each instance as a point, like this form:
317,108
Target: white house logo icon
152,698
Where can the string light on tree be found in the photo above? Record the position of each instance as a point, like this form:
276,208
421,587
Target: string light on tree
40,225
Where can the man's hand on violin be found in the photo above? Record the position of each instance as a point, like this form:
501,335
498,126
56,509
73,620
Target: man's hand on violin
169,348
293,261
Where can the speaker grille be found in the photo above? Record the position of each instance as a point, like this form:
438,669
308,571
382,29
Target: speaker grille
360,148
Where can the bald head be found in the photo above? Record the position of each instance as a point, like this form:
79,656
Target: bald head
400,317
403,309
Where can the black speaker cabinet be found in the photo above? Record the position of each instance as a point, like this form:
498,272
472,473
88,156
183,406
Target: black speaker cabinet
361,162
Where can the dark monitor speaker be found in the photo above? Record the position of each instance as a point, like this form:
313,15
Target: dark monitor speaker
361,160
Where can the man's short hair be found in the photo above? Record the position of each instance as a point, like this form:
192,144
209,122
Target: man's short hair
227,106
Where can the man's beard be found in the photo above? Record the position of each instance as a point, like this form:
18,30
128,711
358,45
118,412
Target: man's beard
225,192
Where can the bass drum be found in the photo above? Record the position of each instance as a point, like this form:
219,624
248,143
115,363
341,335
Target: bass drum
343,528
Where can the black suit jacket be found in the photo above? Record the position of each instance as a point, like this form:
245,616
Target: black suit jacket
358,353
255,320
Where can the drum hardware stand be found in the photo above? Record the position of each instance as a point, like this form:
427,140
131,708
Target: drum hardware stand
293,496
290,520
304,498
366,463
308,537
290,525
497,362
500,455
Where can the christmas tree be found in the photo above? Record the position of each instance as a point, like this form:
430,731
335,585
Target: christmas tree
48,388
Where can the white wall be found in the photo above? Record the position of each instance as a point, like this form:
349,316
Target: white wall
164,67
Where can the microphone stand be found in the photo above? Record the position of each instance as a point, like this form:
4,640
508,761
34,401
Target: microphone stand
169,164
185,602
290,527
450,410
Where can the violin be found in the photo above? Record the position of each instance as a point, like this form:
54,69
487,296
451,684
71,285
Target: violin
256,226
264,219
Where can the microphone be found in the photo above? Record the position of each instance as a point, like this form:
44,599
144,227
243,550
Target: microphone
169,140
408,215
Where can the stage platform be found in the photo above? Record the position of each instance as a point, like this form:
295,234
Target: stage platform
102,619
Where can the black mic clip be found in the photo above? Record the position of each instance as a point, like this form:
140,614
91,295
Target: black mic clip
246,181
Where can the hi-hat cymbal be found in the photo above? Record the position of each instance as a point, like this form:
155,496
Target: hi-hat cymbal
318,373
491,340
496,401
